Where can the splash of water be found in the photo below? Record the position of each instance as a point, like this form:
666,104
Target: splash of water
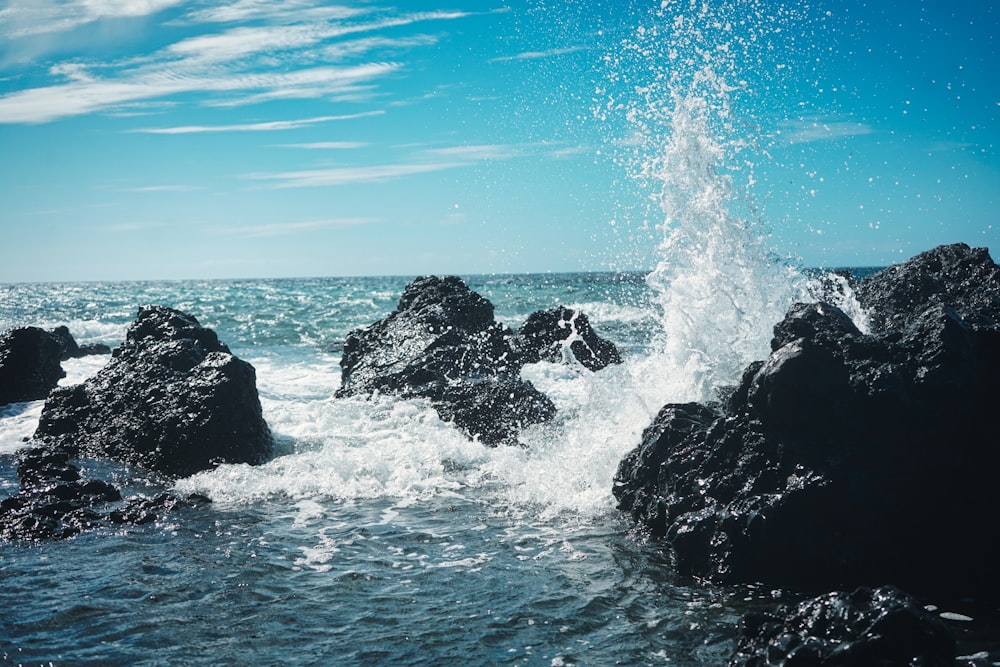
719,287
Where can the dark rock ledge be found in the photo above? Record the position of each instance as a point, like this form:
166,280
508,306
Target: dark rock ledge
845,459
54,502
443,343
172,400
30,359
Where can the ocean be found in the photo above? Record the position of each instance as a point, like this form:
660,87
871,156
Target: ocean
378,534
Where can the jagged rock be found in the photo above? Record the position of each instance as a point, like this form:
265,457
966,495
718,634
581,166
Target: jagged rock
172,399
29,365
141,510
557,333
865,628
442,343
54,502
441,331
961,277
844,458
72,350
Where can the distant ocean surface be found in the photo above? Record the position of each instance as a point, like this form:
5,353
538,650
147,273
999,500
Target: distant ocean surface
379,535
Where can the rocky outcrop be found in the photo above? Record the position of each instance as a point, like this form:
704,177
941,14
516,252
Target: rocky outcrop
172,399
844,458
72,350
883,626
29,365
443,343
563,334
54,502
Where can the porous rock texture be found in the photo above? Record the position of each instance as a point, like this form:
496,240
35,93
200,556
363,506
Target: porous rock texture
29,365
172,399
845,458
443,343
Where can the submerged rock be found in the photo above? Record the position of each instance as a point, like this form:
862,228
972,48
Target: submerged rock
844,458
442,343
172,399
55,502
29,365
883,626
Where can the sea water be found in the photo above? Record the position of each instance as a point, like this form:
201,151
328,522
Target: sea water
380,535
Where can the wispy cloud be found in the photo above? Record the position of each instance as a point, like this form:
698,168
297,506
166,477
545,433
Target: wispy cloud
288,51
326,145
165,188
479,152
269,126
290,228
45,104
288,10
539,55
808,130
422,160
26,19
351,175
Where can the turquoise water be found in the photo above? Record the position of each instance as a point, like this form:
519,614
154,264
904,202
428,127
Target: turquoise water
379,535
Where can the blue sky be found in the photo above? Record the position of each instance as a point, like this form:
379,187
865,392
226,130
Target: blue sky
160,139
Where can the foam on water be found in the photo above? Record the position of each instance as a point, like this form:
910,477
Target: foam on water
717,292
718,285
18,421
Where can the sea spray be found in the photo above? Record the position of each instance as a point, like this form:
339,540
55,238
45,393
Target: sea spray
683,82
717,291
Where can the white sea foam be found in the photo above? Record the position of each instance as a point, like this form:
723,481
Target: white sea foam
718,292
719,287
18,421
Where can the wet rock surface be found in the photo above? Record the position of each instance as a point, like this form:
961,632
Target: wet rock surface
867,627
557,333
443,343
172,399
29,365
55,501
845,458
72,350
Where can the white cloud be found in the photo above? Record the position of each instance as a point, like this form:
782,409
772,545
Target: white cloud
364,45
808,130
480,152
283,59
165,188
539,55
287,10
269,126
352,175
288,228
27,18
48,103
326,145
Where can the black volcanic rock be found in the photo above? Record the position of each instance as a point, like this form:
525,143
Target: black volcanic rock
443,343
29,365
72,350
845,458
864,628
545,334
958,276
172,399
55,502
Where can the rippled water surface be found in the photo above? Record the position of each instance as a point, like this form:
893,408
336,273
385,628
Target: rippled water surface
379,534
